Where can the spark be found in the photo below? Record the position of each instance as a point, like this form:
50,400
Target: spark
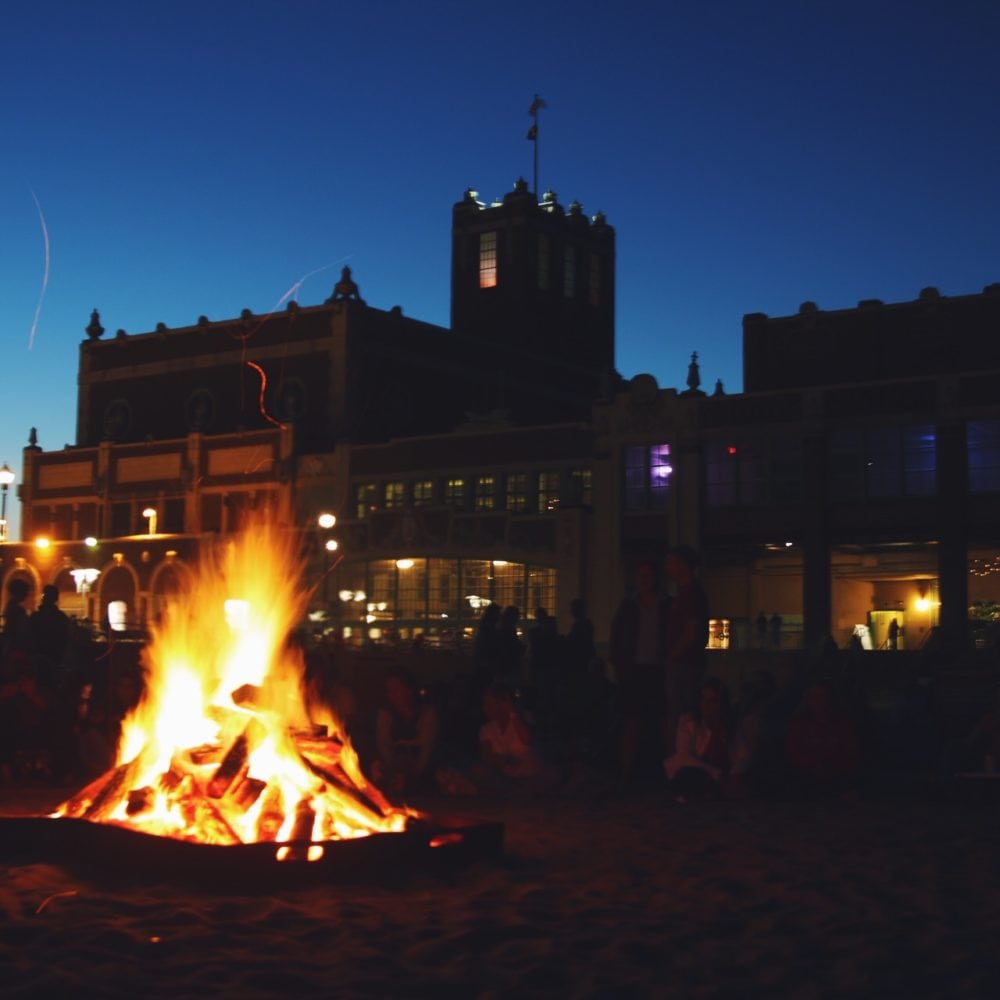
45,276
55,895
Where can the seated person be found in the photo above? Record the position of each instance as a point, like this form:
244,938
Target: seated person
822,747
506,740
407,734
700,764
508,758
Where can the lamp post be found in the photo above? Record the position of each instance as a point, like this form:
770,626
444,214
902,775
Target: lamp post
6,478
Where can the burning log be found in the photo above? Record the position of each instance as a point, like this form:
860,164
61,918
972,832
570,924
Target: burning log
305,818
245,792
234,763
272,815
100,797
140,800
366,809
204,815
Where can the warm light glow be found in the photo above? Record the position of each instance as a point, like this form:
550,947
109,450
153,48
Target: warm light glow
346,595
500,562
922,604
326,520
84,579
42,542
90,542
404,564
150,515
223,747
332,545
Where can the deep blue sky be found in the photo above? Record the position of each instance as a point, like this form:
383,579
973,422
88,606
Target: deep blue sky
201,158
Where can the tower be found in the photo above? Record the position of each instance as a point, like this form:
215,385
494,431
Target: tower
537,282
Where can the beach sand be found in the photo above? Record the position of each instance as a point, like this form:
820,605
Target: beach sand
895,894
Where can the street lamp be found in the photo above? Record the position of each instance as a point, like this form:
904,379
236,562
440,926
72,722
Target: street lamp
6,478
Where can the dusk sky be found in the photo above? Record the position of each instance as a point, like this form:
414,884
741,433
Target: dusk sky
165,161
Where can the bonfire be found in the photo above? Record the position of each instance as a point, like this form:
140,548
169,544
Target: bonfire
224,746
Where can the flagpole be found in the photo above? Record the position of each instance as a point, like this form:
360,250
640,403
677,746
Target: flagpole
536,105
534,175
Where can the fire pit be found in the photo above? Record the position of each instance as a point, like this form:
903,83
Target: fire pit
226,767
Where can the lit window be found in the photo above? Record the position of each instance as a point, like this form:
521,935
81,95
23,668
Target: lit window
394,493
548,491
983,444
569,272
454,492
647,477
423,493
365,499
485,498
517,491
487,260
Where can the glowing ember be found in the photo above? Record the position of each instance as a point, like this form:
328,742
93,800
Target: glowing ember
223,749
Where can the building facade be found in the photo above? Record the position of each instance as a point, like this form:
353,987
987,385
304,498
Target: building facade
853,482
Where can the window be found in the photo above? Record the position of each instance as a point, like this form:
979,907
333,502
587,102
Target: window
365,499
594,284
647,476
883,462
485,496
544,262
983,447
735,474
423,492
569,272
517,491
487,260
394,493
581,490
454,491
548,491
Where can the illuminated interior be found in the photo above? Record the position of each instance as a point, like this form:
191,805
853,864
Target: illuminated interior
386,600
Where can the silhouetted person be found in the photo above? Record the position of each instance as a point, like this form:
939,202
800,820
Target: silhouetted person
636,650
775,625
486,647
16,627
686,636
51,630
893,634
545,662
760,624
510,648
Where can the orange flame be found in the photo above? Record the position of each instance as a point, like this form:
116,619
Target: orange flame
222,748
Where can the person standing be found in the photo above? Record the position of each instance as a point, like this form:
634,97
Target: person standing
686,638
636,650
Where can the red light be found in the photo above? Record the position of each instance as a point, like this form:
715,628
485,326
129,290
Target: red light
731,449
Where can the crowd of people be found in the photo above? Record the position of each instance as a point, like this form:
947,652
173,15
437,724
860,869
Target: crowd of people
540,710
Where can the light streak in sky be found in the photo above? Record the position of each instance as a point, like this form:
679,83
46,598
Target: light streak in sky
45,276
263,385
305,277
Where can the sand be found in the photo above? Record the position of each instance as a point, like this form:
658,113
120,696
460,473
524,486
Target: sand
598,893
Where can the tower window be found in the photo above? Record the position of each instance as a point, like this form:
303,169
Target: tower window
487,260
544,261
594,285
569,272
